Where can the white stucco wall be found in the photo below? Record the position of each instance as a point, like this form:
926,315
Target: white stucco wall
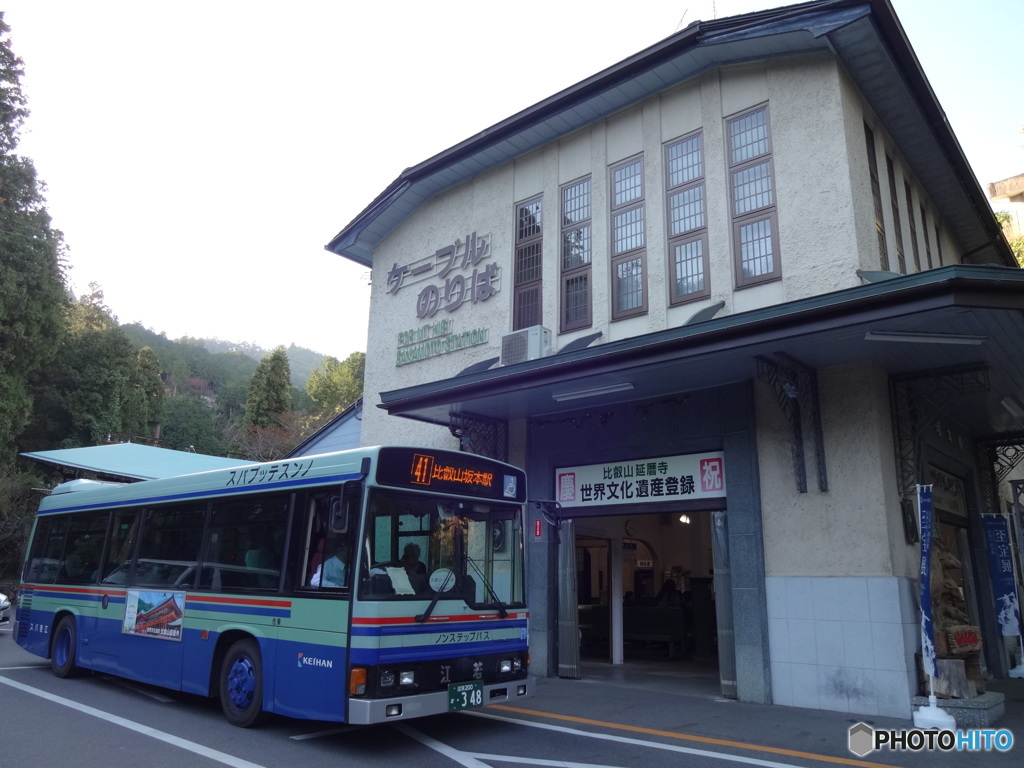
825,216
852,523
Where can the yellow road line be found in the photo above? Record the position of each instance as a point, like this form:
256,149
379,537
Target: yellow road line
690,737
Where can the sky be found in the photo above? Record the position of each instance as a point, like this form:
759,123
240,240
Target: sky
199,155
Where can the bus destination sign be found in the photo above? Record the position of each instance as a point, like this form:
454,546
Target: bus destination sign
464,474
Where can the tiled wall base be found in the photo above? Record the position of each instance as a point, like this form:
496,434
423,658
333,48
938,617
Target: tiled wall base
845,643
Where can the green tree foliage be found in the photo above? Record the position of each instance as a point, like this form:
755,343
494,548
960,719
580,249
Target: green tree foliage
18,504
336,385
270,393
81,392
142,407
32,286
1015,239
190,424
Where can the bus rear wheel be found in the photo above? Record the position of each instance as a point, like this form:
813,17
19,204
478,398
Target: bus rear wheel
241,684
64,649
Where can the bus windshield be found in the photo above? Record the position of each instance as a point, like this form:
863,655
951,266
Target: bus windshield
427,547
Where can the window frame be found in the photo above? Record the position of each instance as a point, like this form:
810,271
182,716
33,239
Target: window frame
876,195
894,203
915,248
631,254
688,236
759,214
585,269
924,231
527,295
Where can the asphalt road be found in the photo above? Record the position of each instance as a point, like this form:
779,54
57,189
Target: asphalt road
97,720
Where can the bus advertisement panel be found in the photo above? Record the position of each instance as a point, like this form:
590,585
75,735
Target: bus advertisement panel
366,586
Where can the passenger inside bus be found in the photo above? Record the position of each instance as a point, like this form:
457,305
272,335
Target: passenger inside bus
331,573
410,559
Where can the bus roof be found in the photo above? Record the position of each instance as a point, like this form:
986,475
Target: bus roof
245,478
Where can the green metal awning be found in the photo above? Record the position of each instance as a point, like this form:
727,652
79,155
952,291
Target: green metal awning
133,461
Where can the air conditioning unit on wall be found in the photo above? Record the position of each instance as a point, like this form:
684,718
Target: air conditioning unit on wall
525,344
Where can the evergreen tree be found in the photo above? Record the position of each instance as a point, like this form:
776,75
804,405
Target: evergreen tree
270,395
190,425
32,286
82,392
338,384
142,407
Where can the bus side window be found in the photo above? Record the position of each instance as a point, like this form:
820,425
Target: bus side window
116,565
324,551
169,546
85,545
245,542
47,552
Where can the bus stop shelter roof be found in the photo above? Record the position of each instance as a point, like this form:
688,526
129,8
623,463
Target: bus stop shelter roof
133,461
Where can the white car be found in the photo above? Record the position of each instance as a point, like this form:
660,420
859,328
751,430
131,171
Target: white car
5,608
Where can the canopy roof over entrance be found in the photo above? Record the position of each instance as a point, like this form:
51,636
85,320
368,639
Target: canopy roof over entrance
956,318
132,461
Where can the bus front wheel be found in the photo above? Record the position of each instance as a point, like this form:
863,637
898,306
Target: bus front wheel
241,684
64,649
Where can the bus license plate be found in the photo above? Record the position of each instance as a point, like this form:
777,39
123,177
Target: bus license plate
465,695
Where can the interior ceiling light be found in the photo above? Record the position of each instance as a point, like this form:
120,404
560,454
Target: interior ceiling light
593,392
924,338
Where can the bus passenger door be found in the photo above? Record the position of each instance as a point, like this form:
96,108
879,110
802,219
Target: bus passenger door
101,639
165,566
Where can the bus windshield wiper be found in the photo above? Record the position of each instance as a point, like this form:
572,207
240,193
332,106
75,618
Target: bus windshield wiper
437,596
495,601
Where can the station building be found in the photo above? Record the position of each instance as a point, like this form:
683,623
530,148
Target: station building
728,302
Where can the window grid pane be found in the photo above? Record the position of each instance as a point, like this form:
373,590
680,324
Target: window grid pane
576,203
629,285
686,210
628,183
576,248
685,161
752,188
688,259
628,230
529,221
576,300
756,248
748,136
527,307
528,266
575,255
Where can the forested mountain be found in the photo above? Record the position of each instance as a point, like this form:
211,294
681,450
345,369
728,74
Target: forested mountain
301,360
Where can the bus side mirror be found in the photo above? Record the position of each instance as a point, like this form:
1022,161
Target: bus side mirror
343,507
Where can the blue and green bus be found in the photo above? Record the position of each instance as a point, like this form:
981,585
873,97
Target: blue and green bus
363,586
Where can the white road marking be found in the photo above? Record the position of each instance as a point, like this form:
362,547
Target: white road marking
26,666
462,758
145,730
637,742
532,761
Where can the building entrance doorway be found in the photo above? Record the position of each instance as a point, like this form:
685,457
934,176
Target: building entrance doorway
646,596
